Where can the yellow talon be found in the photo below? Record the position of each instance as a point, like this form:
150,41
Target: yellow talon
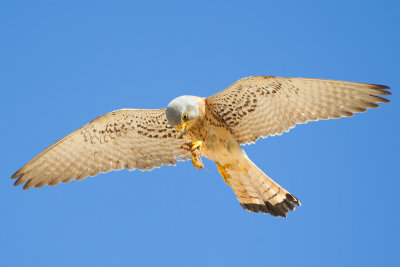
224,173
196,145
196,161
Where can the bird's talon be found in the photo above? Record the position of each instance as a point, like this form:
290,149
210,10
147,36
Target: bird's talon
195,147
224,173
197,162
192,145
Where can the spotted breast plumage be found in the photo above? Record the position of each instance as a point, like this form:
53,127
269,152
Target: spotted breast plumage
213,127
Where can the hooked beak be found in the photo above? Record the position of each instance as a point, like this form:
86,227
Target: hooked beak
182,128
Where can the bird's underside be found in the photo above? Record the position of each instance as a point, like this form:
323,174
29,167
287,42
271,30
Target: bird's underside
215,127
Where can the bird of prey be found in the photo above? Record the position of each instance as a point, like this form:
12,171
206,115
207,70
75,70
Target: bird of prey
213,127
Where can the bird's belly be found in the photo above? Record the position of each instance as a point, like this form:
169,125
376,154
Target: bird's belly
220,146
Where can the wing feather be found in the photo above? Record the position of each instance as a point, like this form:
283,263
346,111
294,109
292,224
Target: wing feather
122,139
260,106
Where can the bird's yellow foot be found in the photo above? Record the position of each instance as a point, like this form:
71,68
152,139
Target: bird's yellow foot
224,173
192,146
195,147
196,160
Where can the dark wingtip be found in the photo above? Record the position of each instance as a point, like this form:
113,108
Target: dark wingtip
380,86
379,99
17,182
16,174
21,179
382,91
385,92
28,184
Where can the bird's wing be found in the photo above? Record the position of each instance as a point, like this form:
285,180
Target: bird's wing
126,138
260,106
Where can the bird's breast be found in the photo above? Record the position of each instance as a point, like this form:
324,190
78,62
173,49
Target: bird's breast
218,145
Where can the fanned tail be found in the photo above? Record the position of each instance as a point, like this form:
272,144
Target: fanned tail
259,193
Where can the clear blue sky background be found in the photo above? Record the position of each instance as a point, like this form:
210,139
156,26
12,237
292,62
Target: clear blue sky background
63,63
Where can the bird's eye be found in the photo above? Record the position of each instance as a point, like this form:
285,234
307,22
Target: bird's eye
184,117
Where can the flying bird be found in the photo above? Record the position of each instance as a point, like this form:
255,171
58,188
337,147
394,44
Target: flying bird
214,127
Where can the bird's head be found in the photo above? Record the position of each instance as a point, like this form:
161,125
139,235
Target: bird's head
182,112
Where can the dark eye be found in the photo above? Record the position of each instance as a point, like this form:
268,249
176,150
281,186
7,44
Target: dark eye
184,117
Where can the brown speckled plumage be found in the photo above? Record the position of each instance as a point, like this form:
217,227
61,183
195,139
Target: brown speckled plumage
126,138
259,106
251,108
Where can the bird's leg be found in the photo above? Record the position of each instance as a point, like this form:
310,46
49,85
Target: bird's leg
196,161
224,173
195,148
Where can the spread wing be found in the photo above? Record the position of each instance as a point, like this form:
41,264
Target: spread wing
126,138
259,106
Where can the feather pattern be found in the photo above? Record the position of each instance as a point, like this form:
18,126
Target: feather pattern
260,106
251,108
122,139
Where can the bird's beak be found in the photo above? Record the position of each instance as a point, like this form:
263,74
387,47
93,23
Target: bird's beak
182,128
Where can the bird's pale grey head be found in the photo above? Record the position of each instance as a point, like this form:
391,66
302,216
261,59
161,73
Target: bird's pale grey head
182,110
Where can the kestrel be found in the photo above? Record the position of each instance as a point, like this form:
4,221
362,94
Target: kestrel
213,127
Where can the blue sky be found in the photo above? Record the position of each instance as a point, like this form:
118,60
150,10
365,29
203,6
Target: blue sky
64,63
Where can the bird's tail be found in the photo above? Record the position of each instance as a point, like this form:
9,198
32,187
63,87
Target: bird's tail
257,192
